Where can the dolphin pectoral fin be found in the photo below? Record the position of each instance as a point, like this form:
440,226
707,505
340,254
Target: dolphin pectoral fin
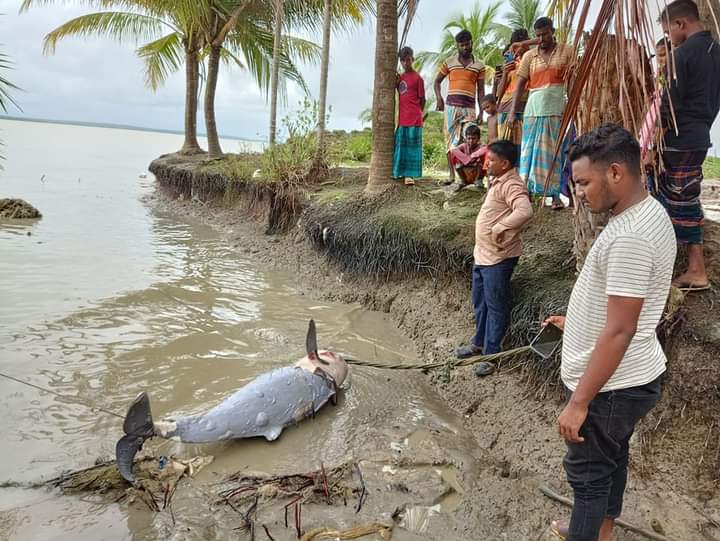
311,341
138,427
273,433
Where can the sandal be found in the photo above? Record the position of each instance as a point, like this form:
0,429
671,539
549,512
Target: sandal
559,529
689,287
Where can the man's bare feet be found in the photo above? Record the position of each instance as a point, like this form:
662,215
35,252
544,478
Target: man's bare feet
695,278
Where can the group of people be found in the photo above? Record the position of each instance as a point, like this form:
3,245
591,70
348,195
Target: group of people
525,107
612,361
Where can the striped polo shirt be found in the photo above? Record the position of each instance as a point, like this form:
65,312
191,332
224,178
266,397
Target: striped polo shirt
541,74
462,81
632,257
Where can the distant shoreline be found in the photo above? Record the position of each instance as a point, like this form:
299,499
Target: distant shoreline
117,127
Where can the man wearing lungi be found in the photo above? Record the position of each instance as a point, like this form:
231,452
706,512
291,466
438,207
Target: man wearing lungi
466,86
689,107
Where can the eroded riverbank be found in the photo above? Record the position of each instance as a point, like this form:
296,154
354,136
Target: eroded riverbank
511,423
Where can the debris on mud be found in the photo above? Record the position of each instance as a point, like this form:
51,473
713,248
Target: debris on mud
157,479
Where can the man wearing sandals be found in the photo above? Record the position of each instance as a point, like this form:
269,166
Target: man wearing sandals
611,358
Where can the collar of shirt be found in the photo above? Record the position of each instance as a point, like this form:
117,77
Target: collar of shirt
503,178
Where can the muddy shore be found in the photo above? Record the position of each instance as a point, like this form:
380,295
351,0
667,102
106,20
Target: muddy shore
515,448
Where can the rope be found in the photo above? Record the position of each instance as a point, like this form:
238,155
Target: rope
494,358
65,397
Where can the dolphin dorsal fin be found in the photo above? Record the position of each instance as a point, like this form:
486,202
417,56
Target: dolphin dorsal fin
311,341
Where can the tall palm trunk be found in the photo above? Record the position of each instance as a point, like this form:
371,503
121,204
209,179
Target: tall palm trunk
274,75
324,66
192,75
214,149
383,115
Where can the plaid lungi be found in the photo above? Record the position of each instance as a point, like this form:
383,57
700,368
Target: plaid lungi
408,155
679,188
540,135
456,120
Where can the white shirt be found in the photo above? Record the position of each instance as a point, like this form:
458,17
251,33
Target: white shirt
632,257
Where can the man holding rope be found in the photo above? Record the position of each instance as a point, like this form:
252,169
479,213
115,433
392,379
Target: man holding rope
611,357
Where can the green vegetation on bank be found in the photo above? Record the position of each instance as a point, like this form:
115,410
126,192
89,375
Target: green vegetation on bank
711,168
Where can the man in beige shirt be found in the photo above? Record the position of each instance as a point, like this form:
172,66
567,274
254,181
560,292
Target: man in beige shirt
504,212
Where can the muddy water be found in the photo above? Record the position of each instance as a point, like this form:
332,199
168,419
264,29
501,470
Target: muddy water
106,296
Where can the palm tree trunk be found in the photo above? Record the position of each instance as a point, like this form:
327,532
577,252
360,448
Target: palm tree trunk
383,116
279,12
324,66
191,145
214,149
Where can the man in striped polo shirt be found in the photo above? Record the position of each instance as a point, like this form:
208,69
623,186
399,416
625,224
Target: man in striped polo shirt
611,358
466,86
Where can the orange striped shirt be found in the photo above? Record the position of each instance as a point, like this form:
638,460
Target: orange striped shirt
541,74
462,81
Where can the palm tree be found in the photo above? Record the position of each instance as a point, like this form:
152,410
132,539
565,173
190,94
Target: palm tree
191,29
383,116
486,32
522,14
173,21
6,87
324,67
277,36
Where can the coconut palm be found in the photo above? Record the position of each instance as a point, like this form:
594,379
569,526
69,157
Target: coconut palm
277,35
486,32
190,30
383,116
172,27
6,88
522,14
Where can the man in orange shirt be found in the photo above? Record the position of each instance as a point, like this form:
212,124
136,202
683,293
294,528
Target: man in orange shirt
466,85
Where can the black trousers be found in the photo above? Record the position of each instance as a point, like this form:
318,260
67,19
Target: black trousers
597,468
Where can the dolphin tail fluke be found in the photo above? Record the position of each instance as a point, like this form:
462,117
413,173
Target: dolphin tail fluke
138,427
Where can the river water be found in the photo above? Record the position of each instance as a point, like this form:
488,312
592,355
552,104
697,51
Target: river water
106,296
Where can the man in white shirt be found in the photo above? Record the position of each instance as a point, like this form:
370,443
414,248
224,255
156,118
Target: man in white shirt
611,358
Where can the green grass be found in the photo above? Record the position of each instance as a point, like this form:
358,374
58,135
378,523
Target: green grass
711,168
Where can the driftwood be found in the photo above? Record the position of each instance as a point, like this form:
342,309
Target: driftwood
384,530
547,491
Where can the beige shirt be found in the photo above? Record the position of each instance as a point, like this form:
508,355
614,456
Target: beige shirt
506,209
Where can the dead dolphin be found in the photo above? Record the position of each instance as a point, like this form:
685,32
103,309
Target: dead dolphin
263,407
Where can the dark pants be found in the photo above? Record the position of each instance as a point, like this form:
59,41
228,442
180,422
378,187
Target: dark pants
597,468
492,303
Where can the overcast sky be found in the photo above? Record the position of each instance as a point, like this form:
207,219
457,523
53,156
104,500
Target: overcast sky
99,80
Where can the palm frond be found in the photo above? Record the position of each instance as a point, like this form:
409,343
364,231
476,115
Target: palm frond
162,58
6,86
119,25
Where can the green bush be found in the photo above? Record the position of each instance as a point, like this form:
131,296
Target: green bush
292,160
358,147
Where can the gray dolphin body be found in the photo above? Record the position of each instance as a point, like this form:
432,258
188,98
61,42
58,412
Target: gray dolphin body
264,407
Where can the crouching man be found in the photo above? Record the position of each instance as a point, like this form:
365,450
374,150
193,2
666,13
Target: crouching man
504,212
611,358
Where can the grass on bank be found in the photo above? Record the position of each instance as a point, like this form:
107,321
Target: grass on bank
711,168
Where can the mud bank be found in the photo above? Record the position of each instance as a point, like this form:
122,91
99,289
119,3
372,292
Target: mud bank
408,255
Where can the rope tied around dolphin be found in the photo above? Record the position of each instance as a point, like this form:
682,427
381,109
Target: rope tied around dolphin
454,363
